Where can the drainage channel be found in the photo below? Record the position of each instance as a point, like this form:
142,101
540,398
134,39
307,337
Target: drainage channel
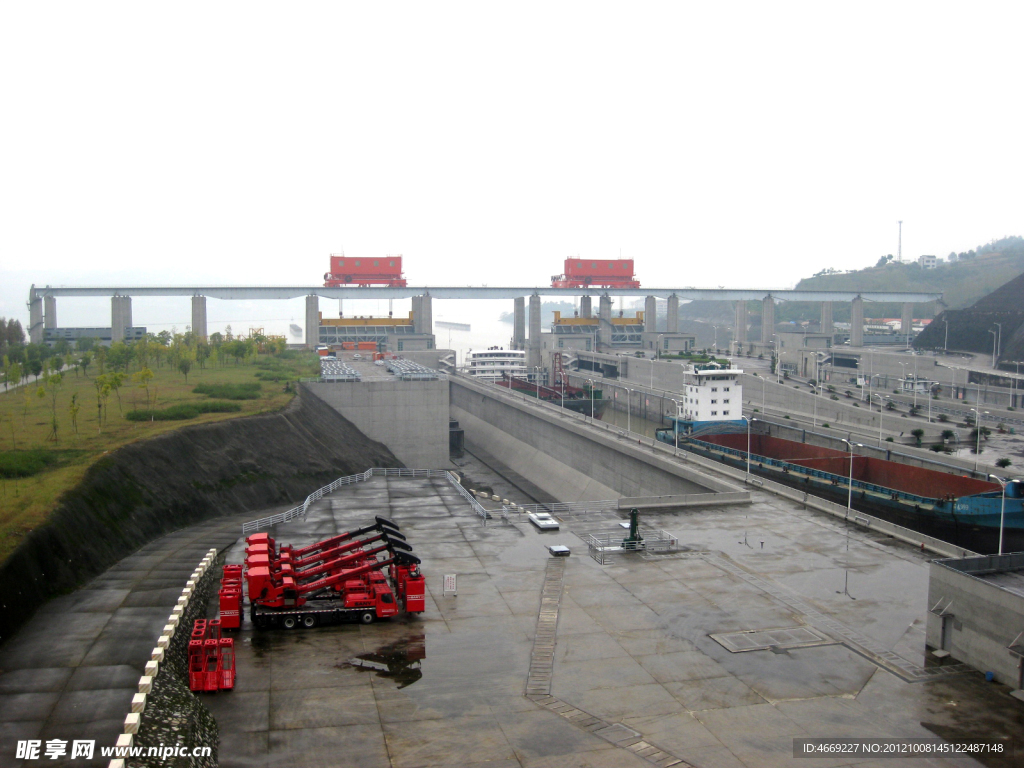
538,683
857,642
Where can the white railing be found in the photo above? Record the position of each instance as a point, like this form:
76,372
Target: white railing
283,517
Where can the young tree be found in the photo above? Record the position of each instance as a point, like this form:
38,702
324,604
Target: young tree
142,379
102,393
115,379
55,382
73,410
185,363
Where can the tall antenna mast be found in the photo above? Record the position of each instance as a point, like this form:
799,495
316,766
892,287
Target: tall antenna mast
899,245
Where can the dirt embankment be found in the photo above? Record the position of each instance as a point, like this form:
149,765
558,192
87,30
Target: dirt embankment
153,487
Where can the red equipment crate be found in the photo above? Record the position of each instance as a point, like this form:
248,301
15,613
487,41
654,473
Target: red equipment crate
596,273
230,609
380,271
196,678
211,661
226,670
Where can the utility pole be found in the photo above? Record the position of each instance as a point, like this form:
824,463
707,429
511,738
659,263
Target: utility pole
899,245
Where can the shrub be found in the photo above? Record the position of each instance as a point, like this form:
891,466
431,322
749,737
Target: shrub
825,425
182,411
242,391
943,418
937,447
888,439
1003,462
26,463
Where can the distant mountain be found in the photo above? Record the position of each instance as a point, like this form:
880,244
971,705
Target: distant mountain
971,276
968,329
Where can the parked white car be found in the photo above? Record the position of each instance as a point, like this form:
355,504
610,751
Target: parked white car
543,520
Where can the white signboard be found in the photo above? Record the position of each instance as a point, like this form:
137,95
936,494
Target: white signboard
449,584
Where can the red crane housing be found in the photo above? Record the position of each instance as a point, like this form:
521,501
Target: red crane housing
386,271
596,273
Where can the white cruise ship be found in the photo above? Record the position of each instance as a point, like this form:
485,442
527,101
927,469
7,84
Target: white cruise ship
493,363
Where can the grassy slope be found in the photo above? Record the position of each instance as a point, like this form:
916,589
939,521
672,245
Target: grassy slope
25,423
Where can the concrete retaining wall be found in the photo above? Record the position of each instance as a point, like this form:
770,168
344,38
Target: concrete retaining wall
565,456
410,417
984,621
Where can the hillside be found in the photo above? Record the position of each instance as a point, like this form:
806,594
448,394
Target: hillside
974,275
968,329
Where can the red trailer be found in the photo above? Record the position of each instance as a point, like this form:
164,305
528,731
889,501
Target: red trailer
596,273
345,270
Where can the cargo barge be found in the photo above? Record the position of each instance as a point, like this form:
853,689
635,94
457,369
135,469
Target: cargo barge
585,400
962,510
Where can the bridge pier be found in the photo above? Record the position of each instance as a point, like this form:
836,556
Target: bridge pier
35,317
767,319
120,317
49,312
827,325
604,332
907,320
585,308
533,346
857,322
650,314
519,323
199,317
672,314
740,325
312,321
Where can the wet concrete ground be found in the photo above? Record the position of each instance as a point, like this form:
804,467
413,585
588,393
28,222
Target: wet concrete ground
71,672
635,671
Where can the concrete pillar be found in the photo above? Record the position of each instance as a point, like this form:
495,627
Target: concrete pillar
906,322
740,325
857,322
120,317
827,326
604,332
533,347
35,317
767,318
650,314
199,317
672,315
585,310
427,309
49,311
519,323
417,314
312,321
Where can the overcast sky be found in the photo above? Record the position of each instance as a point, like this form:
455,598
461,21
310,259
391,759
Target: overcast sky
736,144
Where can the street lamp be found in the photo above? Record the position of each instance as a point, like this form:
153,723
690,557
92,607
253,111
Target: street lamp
748,446
763,382
660,337
945,343
977,428
629,409
675,428
849,495
1002,508
880,401
994,345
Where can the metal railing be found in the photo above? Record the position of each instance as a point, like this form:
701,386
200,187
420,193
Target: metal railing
283,517
603,546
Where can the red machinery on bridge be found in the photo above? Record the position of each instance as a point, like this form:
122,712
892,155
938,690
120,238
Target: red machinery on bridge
333,579
385,271
596,273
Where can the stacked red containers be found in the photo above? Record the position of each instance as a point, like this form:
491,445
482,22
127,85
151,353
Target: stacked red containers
231,597
211,658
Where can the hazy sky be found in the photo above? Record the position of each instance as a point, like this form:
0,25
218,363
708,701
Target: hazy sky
735,144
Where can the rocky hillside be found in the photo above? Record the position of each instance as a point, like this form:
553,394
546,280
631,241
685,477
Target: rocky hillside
153,487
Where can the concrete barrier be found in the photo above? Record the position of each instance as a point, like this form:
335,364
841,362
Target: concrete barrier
685,500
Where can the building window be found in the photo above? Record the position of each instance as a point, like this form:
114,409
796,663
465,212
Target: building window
714,389
725,413
713,402
401,345
725,402
714,413
725,389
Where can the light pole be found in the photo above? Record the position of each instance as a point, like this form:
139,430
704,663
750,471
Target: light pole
675,428
977,428
629,410
994,344
849,495
1002,509
763,382
748,446
660,337
945,344
880,401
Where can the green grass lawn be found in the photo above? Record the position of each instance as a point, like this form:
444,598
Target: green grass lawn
35,469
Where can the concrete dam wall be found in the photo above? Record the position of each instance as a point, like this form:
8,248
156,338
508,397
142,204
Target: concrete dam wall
566,458
150,488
